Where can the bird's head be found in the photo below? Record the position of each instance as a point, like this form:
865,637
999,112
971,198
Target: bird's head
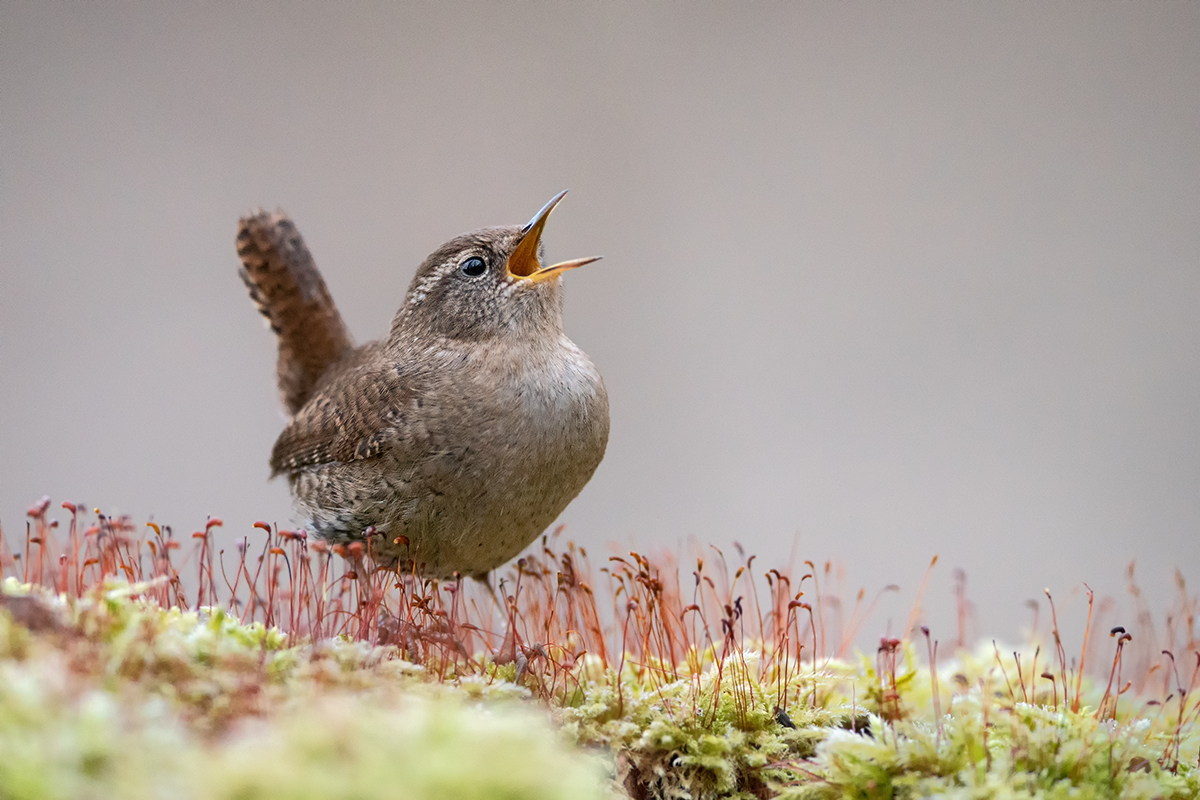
487,283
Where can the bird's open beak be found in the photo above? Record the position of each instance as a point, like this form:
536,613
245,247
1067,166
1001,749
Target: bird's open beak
523,263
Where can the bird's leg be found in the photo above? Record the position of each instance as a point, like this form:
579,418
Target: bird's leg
396,630
507,653
363,572
486,579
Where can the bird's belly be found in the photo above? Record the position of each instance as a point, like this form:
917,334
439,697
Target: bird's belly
497,498
485,487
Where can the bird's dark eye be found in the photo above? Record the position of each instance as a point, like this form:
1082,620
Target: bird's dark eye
473,266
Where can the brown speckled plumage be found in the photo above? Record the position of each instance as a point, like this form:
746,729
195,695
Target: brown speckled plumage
463,434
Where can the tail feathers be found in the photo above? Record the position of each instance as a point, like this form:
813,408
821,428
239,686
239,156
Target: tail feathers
288,289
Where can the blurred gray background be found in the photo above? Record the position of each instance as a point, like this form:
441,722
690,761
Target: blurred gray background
880,280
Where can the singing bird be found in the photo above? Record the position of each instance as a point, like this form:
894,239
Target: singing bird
461,435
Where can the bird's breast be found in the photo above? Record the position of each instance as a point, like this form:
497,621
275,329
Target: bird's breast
509,436
540,409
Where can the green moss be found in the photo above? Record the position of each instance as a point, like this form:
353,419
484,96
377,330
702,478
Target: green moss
1026,752
715,737
347,746
108,696
122,699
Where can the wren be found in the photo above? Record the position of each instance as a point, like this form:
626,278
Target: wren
461,435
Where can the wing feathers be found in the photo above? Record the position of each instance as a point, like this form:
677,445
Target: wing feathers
354,416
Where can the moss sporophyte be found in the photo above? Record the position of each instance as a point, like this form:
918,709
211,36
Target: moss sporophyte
135,663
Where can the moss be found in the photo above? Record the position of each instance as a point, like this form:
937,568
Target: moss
128,700
109,696
421,746
1028,752
724,740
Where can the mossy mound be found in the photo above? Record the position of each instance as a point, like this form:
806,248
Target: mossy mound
111,696
107,696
